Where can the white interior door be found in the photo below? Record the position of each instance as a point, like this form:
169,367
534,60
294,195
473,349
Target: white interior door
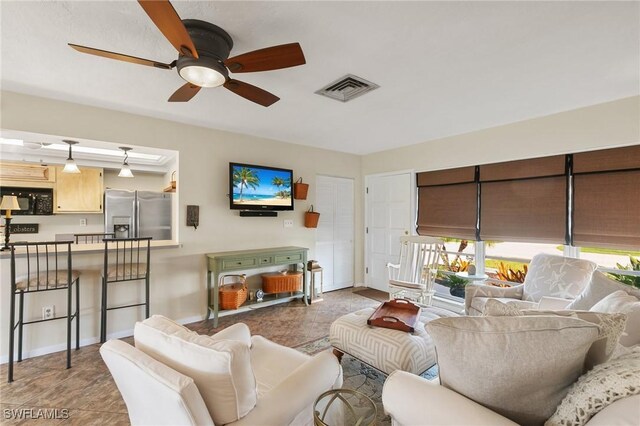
389,215
335,234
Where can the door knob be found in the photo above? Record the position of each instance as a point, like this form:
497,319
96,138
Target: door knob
406,232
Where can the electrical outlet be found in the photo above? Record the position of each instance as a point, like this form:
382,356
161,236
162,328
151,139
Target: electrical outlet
48,312
83,222
288,223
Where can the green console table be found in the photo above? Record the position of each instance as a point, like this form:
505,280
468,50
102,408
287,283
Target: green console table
235,261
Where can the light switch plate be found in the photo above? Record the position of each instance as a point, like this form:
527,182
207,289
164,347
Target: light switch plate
288,223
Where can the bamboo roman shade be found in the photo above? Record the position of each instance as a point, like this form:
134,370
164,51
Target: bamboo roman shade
606,198
447,203
530,201
524,200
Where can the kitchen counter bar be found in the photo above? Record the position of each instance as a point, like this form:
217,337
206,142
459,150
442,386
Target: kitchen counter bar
96,248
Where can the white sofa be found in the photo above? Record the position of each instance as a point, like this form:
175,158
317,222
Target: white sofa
412,400
605,395
232,375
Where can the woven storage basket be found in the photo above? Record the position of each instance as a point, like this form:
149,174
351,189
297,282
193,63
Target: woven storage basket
311,218
282,283
233,295
300,190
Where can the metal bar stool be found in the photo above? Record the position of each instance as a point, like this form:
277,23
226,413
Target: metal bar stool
48,267
132,258
93,238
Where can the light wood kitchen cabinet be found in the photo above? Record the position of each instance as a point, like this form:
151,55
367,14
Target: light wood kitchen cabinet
78,192
27,175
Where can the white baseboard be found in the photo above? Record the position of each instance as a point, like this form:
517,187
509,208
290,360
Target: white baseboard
85,342
49,349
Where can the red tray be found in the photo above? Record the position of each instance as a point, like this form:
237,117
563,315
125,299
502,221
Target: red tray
397,314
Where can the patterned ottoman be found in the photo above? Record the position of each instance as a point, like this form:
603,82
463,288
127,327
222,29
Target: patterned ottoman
385,349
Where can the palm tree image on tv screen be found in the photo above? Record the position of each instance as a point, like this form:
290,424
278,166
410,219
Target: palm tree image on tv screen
256,186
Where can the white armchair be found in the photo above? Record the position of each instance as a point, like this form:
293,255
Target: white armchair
286,382
556,279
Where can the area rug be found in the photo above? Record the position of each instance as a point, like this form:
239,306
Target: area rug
372,293
359,376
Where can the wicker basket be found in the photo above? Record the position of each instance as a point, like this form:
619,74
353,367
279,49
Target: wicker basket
281,283
232,296
311,218
300,190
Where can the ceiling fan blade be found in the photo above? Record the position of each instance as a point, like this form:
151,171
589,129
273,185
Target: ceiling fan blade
252,93
270,58
121,57
169,23
184,93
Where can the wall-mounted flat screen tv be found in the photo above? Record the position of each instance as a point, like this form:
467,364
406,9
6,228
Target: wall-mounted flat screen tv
254,187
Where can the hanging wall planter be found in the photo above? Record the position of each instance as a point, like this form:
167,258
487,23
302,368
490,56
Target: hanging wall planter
300,190
311,218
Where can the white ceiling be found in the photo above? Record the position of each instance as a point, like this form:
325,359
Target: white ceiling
444,68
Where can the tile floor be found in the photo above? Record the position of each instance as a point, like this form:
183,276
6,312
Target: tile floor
89,394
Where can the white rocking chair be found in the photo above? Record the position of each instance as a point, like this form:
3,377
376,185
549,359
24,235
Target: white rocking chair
414,276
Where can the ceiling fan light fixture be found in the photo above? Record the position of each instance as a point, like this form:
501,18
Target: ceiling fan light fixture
70,165
125,170
203,72
202,76
203,56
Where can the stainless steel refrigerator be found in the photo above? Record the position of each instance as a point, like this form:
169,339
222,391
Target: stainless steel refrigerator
138,214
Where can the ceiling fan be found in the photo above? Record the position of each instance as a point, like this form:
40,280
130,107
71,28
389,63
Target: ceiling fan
203,55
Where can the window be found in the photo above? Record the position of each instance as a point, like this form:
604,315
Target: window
457,256
517,209
606,201
447,203
506,261
524,200
620,265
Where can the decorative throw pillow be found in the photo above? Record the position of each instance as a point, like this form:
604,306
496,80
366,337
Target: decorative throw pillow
239,332
495,308
474,291
606,383
221,369
520,367
622,302
610,326
598,288
556,276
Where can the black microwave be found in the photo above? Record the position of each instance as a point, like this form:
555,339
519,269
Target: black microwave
32,201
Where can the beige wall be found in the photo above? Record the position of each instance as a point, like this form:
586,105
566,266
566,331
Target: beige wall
179,276
610,124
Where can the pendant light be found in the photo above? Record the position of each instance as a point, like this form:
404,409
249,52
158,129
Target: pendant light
70,165
125,170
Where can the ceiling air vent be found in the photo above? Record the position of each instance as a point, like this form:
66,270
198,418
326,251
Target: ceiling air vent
346,88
